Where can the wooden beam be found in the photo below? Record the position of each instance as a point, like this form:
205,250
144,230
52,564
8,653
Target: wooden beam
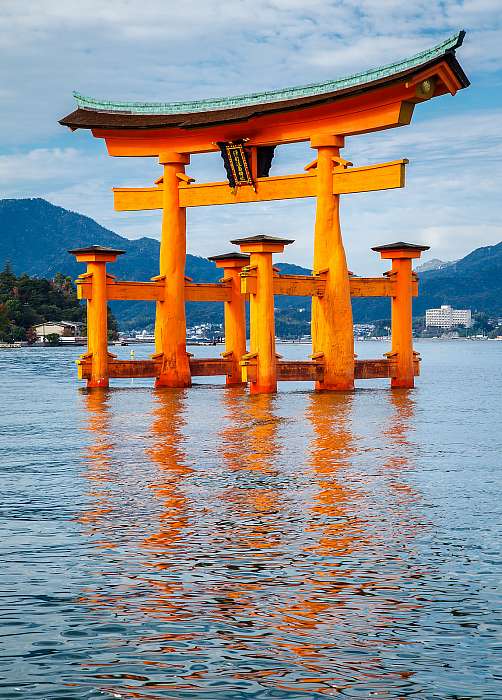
299,371
382,176
125,369
369,178
299,285
154,291
267,189
288,285
376,287
137,198
217,291
373,369
209,367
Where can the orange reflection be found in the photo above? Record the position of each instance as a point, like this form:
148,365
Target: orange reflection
251,537
249,445
163,596
98,465
166,452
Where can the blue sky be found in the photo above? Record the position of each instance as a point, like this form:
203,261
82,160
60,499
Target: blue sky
164,50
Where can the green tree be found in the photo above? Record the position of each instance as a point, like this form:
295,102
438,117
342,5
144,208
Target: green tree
5,327
52,338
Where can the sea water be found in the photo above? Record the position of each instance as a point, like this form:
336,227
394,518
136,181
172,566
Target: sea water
204,543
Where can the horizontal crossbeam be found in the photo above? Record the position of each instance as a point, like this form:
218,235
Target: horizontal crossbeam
287,285
382,176
134,369
154,291
307,285
210,367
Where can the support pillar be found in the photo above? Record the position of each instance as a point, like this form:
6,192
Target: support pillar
402,353
332,327
96,258
170,320
235,313
261,309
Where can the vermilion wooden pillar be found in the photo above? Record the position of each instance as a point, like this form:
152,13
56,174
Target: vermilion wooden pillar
235,313
332,329
170,321
96,258
261,309
401,255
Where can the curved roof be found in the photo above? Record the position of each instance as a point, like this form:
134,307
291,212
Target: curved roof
111,114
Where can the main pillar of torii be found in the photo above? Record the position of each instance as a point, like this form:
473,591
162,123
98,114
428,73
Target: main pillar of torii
332,327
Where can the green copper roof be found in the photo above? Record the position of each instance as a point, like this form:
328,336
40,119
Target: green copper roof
258,98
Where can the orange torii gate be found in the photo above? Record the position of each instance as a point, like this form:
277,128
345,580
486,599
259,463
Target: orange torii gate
247,129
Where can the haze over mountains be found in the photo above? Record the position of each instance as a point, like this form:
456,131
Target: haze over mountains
35,236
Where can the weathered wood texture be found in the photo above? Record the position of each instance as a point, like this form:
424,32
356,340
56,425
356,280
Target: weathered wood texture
124,369
211,367
299,371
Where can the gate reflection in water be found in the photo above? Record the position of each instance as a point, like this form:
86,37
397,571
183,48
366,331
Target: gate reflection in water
248,549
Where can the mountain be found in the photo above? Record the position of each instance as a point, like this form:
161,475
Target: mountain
474,282
35,236
434,264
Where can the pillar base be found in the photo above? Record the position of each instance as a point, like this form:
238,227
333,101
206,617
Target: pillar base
172,382
334,386
255,388
398,383
234,382
98,383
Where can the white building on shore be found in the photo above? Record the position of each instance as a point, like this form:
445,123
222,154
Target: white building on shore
65,330
447,317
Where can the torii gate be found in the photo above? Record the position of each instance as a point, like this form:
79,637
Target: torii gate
247,129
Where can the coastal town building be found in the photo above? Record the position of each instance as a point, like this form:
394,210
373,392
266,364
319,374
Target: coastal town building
65,329
448,317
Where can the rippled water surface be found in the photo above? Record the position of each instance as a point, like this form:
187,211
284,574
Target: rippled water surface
209,544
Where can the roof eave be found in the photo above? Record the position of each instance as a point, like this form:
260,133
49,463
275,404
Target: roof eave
76,119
